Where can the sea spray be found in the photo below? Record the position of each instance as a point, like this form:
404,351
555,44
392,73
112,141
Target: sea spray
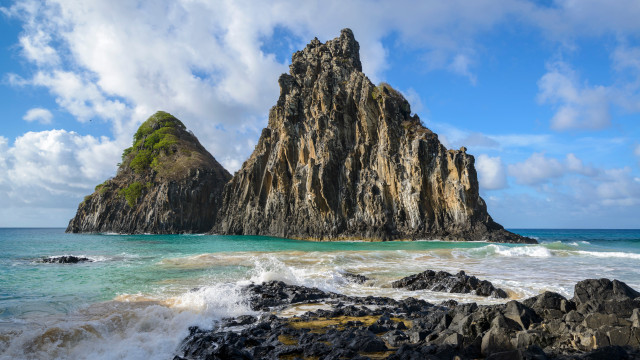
129,327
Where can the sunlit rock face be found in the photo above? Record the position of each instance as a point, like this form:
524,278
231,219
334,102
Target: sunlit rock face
344,159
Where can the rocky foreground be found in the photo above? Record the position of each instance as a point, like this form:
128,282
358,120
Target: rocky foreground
602,321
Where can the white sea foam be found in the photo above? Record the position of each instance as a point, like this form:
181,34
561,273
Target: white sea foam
130,327
612,254
518,251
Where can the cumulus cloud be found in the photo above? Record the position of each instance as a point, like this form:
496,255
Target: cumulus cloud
55,167
578,105
538,169
40,115
491,172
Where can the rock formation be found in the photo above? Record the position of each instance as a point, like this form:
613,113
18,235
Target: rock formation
64,259
547,326
342,158
443,281
167,183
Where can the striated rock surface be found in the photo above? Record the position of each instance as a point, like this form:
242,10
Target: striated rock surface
167,183
342,158
443,281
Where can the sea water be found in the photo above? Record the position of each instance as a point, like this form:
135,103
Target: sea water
140,294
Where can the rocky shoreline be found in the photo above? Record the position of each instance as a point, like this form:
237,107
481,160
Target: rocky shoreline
601,321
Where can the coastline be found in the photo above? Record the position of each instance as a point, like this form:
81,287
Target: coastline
601,321
164,284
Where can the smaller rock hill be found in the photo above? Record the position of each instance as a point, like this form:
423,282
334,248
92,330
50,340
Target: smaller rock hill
167,183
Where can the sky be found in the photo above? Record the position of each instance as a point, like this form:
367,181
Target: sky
544,94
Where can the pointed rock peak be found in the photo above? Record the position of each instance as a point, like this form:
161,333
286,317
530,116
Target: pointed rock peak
342,52
167,183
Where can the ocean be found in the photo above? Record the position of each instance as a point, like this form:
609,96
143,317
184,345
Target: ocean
140,294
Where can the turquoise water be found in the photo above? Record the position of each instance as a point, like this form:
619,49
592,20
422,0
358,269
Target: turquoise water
141,292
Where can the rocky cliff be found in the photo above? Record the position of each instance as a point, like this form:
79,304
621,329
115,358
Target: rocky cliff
167,183
342,158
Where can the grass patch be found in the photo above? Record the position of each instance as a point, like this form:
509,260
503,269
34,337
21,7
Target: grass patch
287,340
131,193
378,355
340,322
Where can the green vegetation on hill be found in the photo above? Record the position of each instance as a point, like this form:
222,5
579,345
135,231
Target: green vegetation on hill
132,193
156,137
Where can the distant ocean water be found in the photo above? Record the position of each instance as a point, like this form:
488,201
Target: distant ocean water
138,297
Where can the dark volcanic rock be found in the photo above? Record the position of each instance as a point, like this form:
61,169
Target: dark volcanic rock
342,158
167,183
413,329
605,296
356,278
65,259
446,282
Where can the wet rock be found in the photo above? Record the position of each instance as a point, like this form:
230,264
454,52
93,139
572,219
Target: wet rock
356,278
351,329
65,259
446,282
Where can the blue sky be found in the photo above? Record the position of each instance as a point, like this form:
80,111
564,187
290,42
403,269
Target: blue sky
545,94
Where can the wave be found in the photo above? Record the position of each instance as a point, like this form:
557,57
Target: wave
129,327
610,254
517,251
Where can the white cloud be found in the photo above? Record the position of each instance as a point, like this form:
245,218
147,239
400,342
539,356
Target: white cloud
56,167
578,106
40,115
491,172
637,150
538,169
461,64
618,188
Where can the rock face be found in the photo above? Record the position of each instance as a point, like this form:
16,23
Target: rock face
443,281
342,158
167,183
547,326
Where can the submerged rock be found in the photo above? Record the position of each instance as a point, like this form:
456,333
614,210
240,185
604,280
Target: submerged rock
65,259
344,159
446,282
167,183
413,329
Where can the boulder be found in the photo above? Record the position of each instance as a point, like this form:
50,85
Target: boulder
446,282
